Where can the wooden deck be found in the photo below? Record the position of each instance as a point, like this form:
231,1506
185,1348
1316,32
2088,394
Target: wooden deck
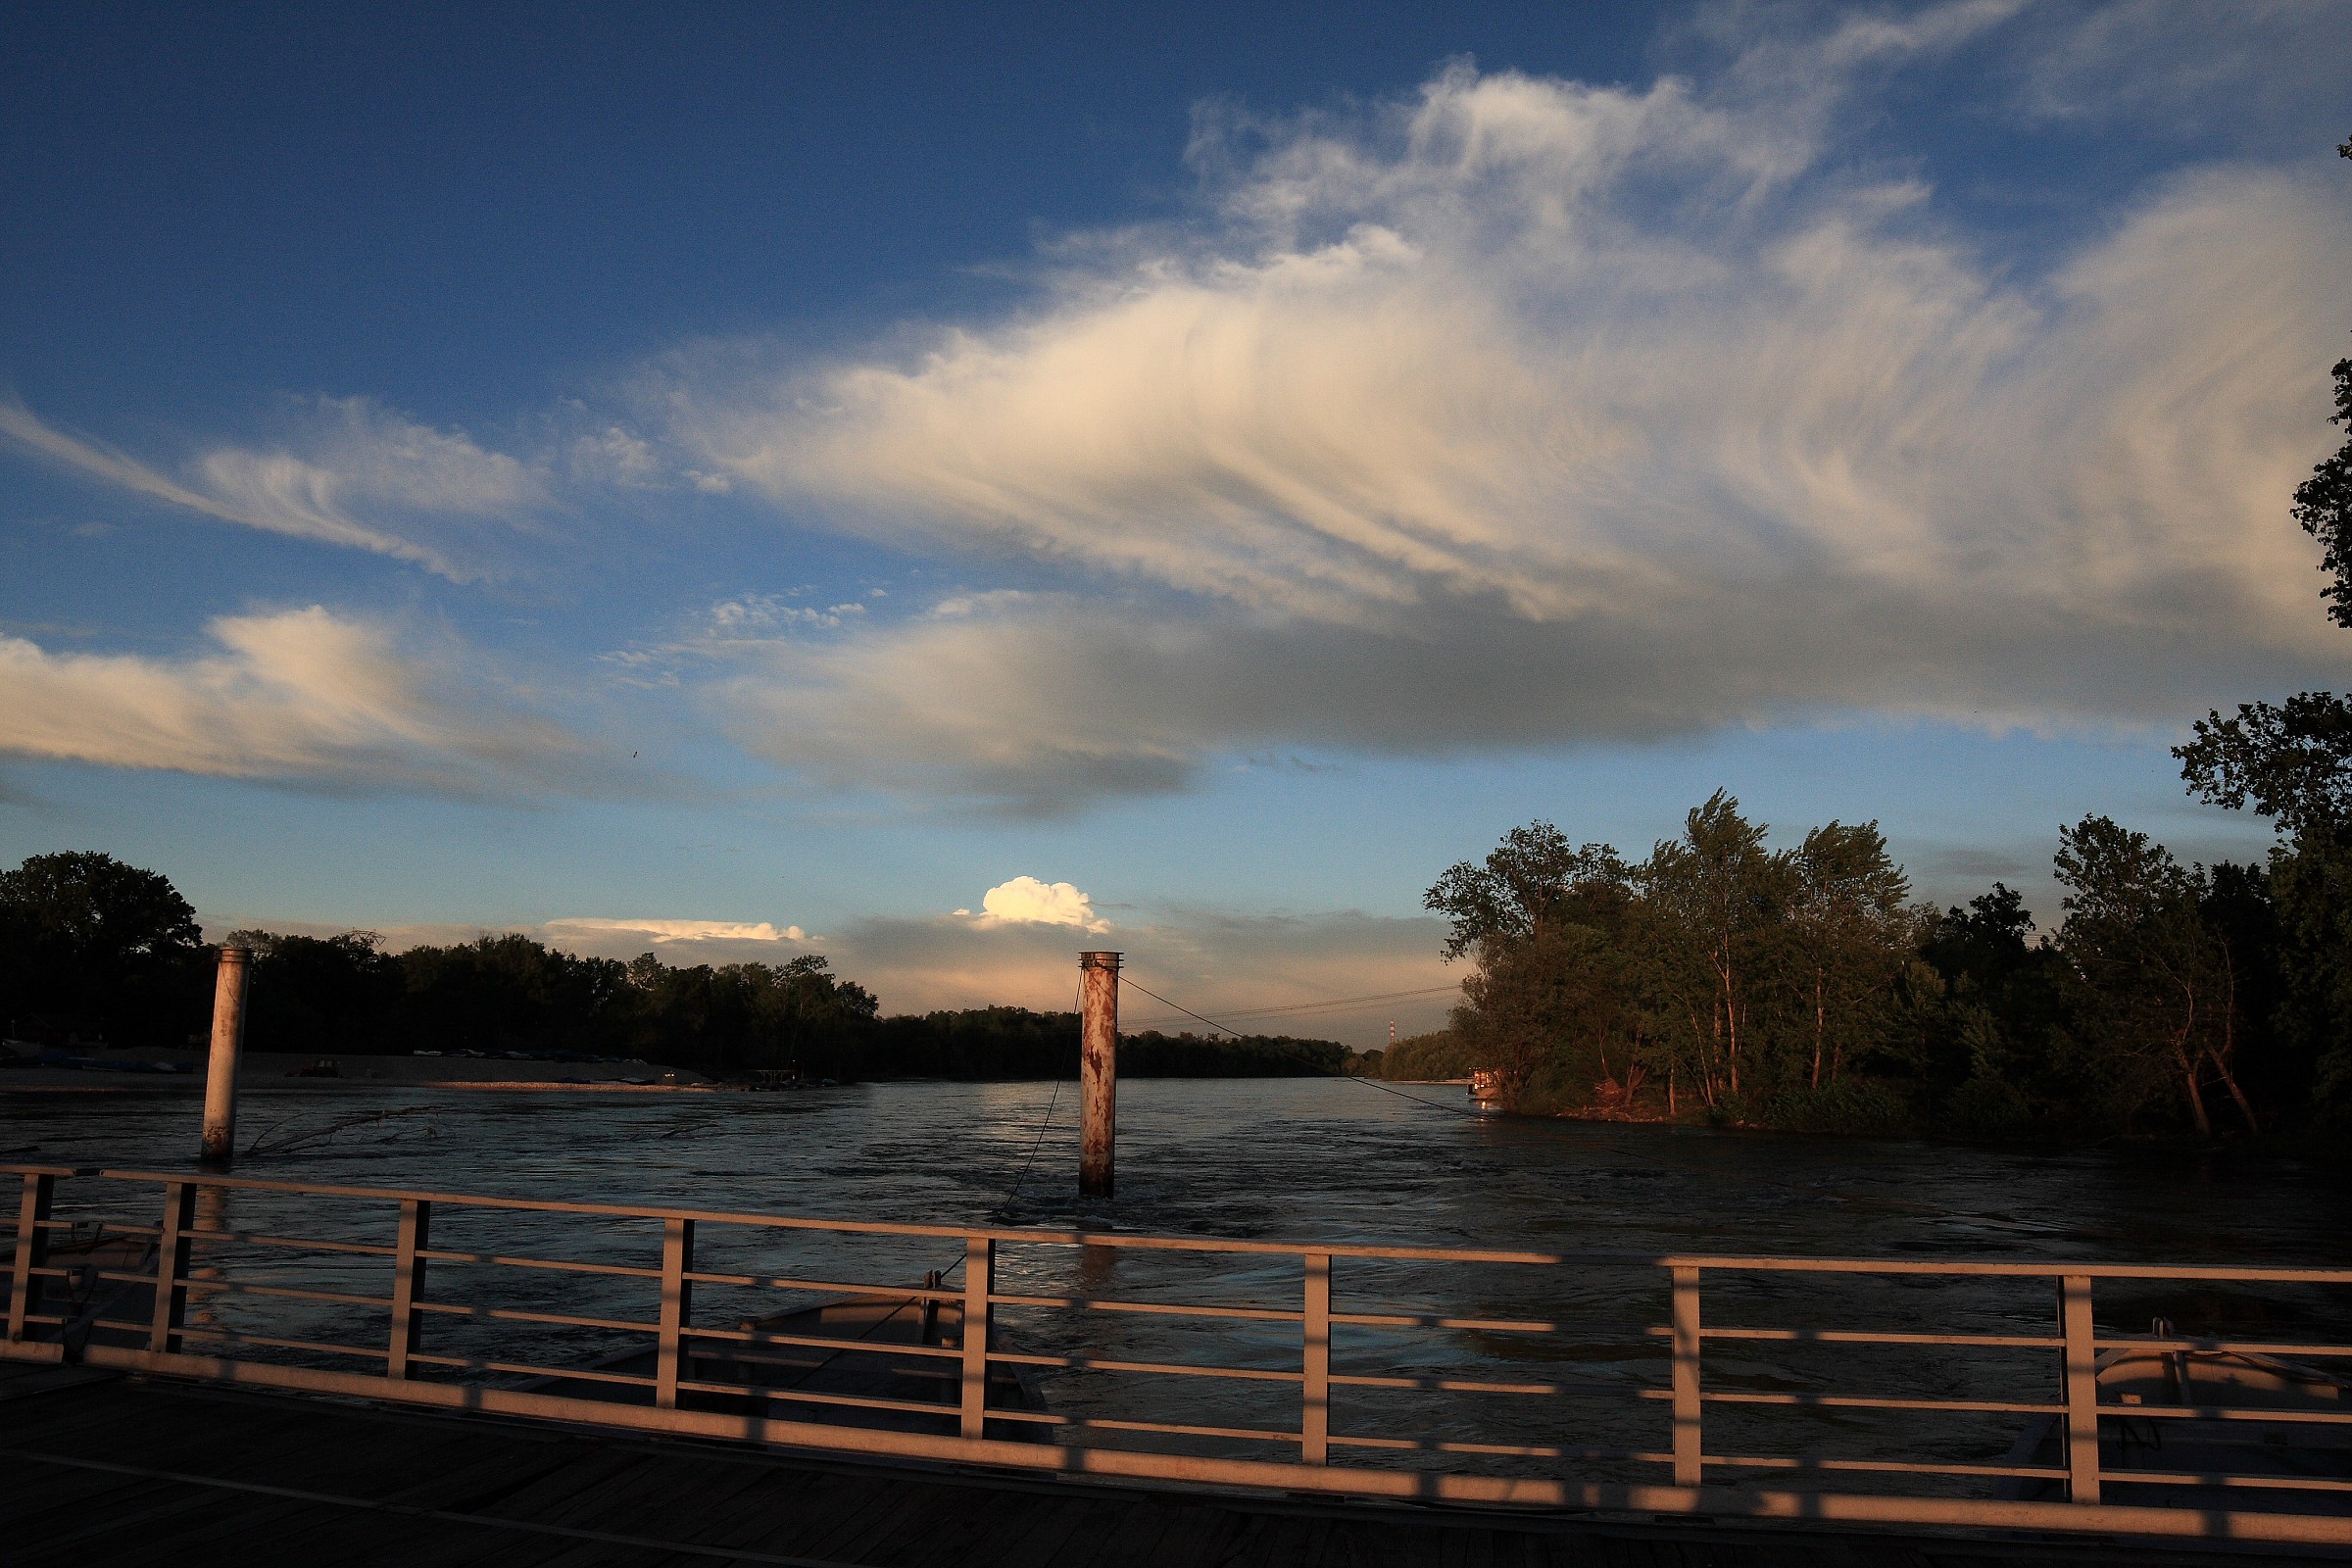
97,1469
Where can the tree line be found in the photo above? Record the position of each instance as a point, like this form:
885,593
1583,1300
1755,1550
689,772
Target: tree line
96,953
1720,979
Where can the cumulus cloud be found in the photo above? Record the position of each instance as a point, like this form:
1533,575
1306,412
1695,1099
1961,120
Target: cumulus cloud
300,696
667,931
1025,900
1528,411
358,476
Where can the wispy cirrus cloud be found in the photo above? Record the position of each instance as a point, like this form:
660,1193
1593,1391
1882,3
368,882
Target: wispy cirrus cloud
669,931
300,697
1526,412
353,474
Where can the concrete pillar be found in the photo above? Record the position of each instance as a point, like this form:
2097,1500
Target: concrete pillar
220,1076
1098,1071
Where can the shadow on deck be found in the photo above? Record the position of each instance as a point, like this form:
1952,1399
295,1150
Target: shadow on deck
97,1469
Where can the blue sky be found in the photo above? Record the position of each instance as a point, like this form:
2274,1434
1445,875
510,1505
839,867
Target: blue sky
759,484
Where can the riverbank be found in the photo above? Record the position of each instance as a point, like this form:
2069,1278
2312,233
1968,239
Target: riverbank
134,1072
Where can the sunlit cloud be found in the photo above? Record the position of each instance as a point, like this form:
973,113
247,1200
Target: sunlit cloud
357,475
669,931
300,696
1025,900
1529,412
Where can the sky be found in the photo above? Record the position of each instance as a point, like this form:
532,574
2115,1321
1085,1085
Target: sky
945,489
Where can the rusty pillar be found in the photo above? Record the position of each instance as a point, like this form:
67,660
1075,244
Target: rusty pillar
221,1074
1098,1071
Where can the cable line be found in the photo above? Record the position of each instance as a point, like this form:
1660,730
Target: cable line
1369,1083
1333,1004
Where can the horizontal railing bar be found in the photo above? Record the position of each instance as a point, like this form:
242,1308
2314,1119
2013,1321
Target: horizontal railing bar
281,1292
1088,1363
2241,1347
238,1337
761,1336
108,1230
879,1293
1839,1401
2024,1342
1246,1314
2232,1413
849,1227
1990,1268
581,1374
806,1397
1809,1461
517,1314
1412,1320
1106,1424
1702,1262
1498,1450
296,1243
562,1265
1474,1386
2177,1478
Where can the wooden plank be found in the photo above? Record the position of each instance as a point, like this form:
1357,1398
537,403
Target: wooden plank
916,1512
701,1513
835,1513
1200,1533
755,1514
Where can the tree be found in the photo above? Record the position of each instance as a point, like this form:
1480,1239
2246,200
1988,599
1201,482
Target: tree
1854,931
92,945
1521,887
2159,985
1721,896
2291,760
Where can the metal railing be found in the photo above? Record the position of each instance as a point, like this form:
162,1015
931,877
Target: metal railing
164,1263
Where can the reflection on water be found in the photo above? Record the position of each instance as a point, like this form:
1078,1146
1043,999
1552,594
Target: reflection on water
1306,1161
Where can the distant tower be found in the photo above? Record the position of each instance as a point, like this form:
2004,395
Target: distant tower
1392,1034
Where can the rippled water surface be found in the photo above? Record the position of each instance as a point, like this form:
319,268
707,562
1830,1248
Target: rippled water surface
1304,1160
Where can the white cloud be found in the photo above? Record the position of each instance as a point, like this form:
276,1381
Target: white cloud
1528,411
1025,900
666,931
301,696
362,477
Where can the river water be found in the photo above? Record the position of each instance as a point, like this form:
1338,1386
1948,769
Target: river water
1330,1162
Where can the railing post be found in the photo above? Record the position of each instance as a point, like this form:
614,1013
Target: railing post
2081,1389
1314,1427
32,1249
1688,1469
979,1283
677,1309
172,1267
408,1283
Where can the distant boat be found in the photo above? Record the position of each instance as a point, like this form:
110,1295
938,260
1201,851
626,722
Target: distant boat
1486,1090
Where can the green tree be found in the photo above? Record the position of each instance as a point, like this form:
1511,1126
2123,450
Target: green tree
2159,985
1719,897
1854,933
